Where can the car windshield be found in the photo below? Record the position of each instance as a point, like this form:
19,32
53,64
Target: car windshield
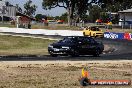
95,29
67,40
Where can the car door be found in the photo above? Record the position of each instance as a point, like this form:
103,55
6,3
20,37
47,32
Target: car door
92,45
89,45
84,46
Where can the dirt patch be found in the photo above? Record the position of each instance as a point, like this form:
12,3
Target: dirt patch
108,49
60,74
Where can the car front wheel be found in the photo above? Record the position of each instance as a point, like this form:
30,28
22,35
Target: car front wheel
84,34
52,54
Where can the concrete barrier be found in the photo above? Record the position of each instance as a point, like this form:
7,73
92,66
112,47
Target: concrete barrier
41,31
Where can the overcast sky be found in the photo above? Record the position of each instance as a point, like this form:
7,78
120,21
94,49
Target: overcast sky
53,12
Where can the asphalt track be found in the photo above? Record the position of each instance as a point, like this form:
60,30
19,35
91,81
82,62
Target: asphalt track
121,50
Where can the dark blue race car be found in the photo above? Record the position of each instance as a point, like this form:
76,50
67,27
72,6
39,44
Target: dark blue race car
75,46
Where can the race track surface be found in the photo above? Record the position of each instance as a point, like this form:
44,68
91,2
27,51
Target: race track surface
122,50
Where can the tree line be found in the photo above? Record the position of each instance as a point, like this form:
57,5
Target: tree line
78,9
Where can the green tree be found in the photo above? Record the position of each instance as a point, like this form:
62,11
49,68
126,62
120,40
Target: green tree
64,17
70,5
38,17
18,8
94,12
115,5
29,8
57,17
7,3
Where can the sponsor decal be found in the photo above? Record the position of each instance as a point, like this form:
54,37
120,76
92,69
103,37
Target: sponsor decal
113,35
127,36
85,81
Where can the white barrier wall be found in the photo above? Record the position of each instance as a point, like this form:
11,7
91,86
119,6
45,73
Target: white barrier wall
42,31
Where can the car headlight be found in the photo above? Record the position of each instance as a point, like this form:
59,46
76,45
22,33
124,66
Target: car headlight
50,46
65,47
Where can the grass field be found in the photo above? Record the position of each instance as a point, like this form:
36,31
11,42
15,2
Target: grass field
10,45
7,25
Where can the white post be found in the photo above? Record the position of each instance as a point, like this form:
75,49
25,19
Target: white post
18,21
2,18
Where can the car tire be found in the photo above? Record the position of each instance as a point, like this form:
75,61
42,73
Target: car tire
97,53
84,34
94,35
90,34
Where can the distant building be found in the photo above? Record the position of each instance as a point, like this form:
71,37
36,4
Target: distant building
9,13
2,3
125,17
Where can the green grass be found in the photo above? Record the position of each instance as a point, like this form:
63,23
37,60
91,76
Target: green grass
7,25
10,45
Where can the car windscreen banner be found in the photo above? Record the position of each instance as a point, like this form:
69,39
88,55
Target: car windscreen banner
113,35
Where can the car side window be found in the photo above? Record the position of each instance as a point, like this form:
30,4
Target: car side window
85,41
81,41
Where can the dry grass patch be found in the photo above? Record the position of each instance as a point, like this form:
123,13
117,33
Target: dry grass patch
58,75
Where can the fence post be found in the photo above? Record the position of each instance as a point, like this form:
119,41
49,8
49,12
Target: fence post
18,21
2,18
130,26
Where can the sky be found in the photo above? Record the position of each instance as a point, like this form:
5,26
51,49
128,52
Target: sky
53,12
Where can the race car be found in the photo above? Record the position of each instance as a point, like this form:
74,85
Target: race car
75,46
93,32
